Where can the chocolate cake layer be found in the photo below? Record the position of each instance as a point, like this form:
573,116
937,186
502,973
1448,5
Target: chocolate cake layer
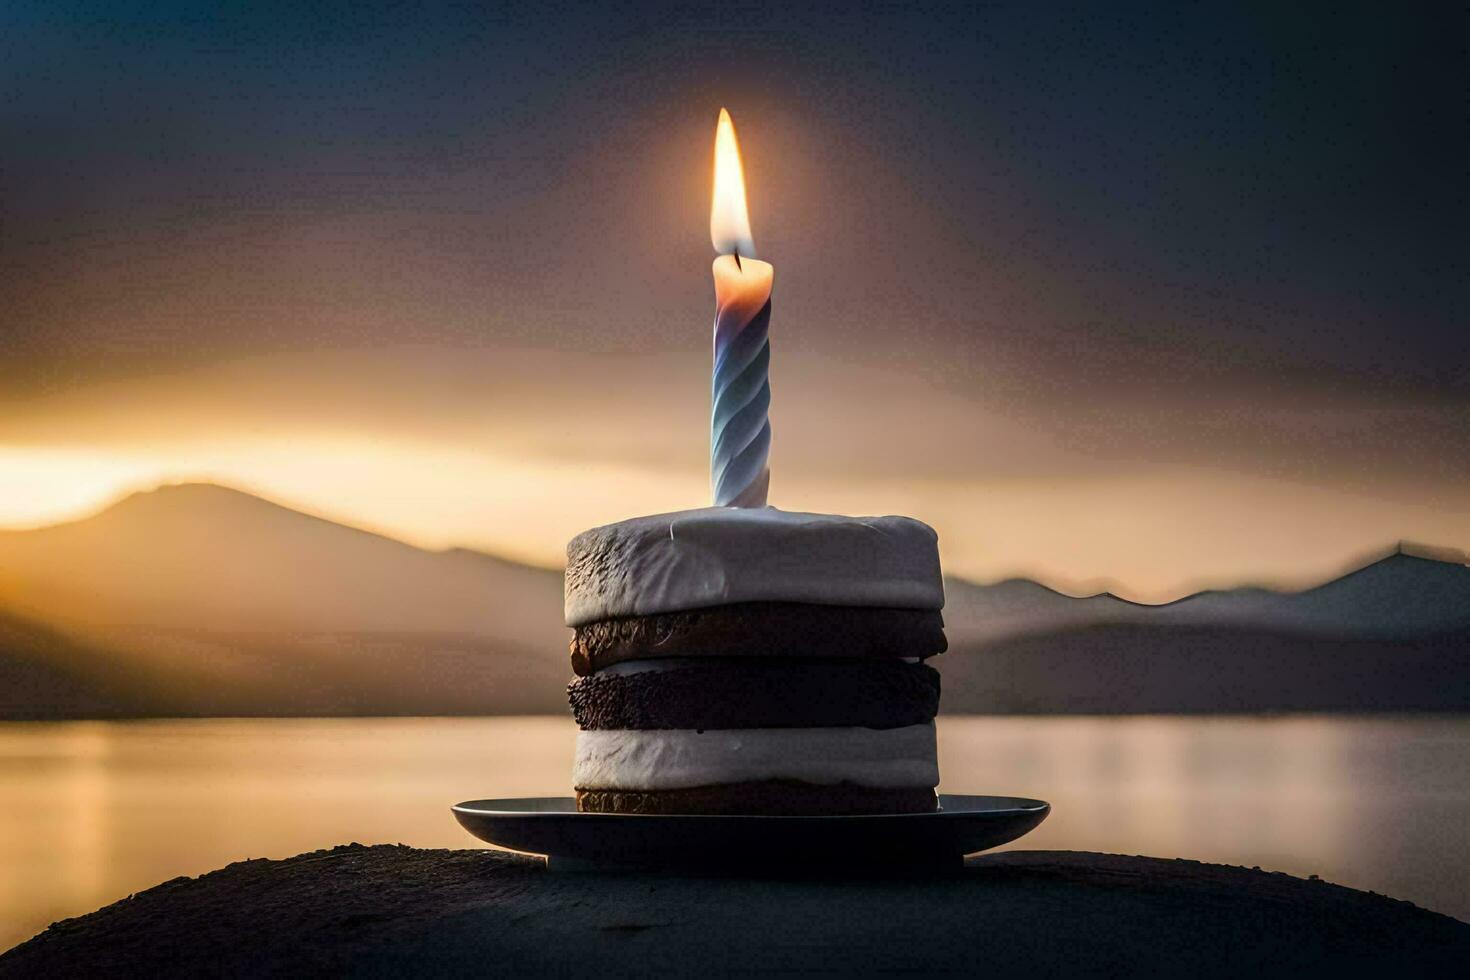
760,693
760,629
768,798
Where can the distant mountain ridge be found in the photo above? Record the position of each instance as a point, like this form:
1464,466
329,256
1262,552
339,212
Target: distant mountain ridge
199,599
1408,590
209,557
1392,635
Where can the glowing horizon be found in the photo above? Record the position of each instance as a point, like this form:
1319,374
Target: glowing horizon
1173,541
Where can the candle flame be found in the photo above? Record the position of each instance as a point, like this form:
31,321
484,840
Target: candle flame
729,221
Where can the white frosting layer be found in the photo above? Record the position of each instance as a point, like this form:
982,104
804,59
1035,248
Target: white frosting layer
716,556
651,760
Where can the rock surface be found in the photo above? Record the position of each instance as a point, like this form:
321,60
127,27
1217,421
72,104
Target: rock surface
397,910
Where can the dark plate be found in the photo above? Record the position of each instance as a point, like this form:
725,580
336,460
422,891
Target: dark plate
552,826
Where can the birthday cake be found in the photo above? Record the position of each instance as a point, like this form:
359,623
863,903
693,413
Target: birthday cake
755,661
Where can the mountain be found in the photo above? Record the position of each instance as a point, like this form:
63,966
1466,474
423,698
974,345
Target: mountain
1393,635
197,599
201,600
207,557
1411,590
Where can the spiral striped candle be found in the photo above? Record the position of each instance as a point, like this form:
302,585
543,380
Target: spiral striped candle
740,429
740,394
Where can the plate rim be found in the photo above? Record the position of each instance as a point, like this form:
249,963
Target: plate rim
1028,806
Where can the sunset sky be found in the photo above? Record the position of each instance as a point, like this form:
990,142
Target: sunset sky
1142,300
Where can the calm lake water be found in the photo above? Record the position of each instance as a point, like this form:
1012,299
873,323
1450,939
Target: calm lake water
91,811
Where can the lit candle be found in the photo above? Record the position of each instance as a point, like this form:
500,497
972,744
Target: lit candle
740,429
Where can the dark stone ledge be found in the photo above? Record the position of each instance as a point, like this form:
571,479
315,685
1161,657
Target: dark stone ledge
389,910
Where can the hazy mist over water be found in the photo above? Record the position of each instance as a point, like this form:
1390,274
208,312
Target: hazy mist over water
96,810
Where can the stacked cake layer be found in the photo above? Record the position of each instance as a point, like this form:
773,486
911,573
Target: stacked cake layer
755,661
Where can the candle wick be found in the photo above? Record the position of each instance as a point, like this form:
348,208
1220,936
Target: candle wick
737,260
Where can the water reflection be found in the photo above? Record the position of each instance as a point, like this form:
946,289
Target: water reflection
93,811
